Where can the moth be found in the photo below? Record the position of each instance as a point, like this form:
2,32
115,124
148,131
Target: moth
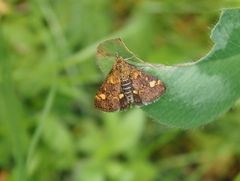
126,85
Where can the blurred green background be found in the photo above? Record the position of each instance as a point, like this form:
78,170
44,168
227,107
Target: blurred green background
49,129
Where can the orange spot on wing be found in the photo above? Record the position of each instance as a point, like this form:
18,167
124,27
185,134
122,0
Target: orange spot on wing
121,96
135,92
102,96
152,83
136,74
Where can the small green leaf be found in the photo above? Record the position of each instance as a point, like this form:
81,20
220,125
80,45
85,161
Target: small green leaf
196,93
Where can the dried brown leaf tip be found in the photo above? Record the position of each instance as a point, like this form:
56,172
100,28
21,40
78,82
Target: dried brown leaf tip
127,85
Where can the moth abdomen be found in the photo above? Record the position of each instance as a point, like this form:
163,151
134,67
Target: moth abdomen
127,90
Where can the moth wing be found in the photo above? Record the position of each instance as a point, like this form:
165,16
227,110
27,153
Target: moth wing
137,99
146,87
123,103
108,97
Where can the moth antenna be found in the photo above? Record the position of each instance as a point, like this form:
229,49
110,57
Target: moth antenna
118,56
129,58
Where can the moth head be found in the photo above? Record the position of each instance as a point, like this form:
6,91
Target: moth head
119,63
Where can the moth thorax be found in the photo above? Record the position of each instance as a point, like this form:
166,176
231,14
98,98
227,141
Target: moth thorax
127,90
124,77
124,71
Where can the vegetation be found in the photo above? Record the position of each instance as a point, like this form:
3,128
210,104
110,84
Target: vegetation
48,79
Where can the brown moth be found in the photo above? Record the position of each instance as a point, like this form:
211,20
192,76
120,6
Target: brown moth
127,85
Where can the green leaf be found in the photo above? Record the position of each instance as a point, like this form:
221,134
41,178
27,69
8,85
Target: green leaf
198,92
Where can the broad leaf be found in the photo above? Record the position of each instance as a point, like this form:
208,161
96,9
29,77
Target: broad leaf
196,93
